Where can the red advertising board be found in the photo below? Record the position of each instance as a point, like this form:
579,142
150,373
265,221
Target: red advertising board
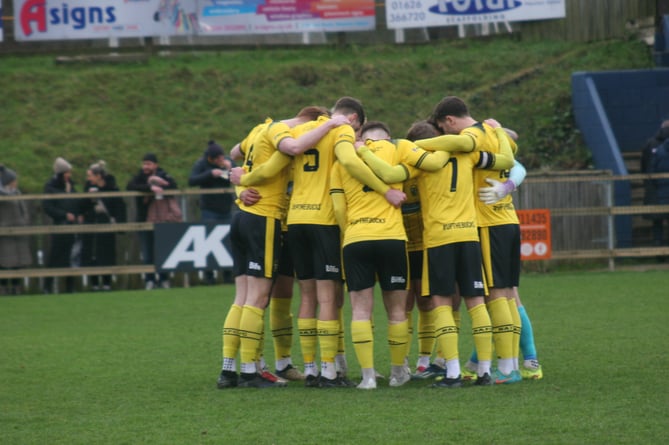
535,234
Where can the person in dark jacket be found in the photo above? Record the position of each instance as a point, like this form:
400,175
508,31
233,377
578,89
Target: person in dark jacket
14,250
150,179
211,172
655,159
99,249
62,211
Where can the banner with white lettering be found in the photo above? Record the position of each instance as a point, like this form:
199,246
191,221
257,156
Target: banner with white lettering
96,19
188,247
427,13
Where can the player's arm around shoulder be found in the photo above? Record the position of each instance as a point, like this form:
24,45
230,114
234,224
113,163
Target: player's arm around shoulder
448,142
503,160
390,174
422,159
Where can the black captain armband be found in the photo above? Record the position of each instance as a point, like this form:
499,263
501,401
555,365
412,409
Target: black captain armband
486,160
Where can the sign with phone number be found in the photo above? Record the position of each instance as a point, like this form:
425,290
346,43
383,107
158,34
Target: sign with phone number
425,13
535,234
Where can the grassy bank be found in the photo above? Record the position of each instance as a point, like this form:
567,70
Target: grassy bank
173,105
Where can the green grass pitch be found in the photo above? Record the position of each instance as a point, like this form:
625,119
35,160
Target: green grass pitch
139,367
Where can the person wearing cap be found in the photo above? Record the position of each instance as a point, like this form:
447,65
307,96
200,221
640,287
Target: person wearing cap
150,179
62,211
14,250
211,172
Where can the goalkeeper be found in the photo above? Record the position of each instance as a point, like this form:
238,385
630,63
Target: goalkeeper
499,230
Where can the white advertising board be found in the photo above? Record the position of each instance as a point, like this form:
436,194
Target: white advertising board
427,13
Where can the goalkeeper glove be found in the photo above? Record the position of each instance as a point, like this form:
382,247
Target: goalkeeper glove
497,191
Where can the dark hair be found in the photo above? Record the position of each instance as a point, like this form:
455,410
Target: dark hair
662,134
449,106
150,157
213,150
313,112
372,125
349,105
422,130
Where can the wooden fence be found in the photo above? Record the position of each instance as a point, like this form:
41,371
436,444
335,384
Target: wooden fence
583,214
592,20
582,222
129,269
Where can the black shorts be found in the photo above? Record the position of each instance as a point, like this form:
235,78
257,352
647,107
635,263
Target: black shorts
415,265
454,264
316,251
256,241
386,259
500,249
285,260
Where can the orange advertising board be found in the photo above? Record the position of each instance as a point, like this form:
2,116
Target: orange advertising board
535,234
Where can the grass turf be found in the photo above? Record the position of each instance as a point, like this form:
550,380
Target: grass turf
140,367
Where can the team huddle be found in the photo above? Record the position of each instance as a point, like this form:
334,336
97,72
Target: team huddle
336,203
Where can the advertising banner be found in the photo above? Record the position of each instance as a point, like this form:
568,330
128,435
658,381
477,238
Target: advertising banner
97,19
427,13
286,16
535,234
86,19
188,247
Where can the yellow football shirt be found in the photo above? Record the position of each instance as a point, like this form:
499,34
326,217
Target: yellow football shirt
447,202
258,149
368,215
503,211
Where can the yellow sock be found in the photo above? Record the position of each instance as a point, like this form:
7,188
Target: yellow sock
251,327
409,331
281,323
231,332
482,331
457,320
502,327
328,337
398,340
260,351
515,316
425,332
446,332
341,344
308,338
363,342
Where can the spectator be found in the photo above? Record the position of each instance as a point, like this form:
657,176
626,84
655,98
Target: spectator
99,249
63,211
211,172
150,179
14,250
655,159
